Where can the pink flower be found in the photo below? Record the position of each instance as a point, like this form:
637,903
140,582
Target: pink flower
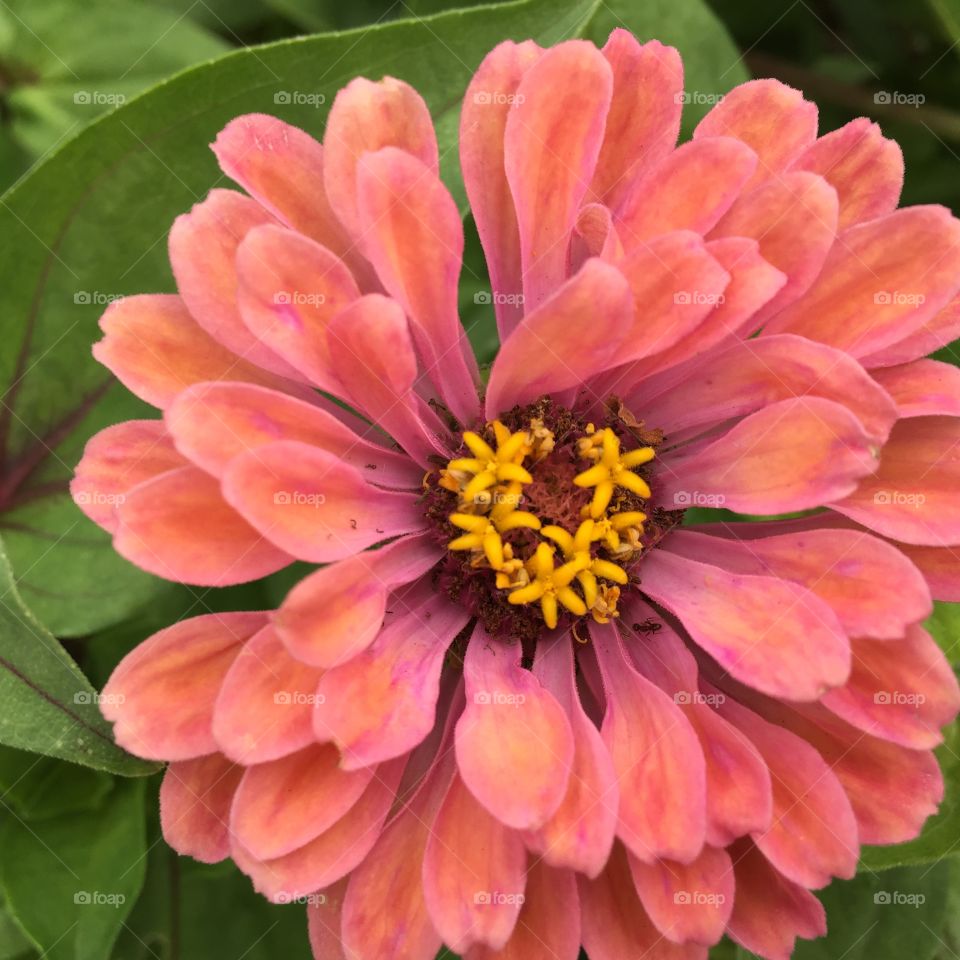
521,708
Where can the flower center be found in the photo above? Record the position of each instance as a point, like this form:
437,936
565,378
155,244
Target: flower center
543,514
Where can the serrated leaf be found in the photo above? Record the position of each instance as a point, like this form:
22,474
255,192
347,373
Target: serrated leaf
47,705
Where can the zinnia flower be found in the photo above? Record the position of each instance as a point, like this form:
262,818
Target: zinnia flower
522,706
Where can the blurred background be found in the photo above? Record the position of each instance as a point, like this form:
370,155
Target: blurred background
66,63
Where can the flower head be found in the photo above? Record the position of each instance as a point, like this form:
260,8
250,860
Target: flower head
525,702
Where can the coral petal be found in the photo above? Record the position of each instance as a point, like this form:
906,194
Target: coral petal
195,798
769,633
178,526
514,743
160,697
313,504
265,705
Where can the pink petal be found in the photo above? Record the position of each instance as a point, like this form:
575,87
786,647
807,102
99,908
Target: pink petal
792,455
160,696
514,743
385,910
912,496
156,349
923,388
904,691
549,921
770,117
770,912
794,220
594,236
282,805
179,527
886,278
771,634
675,284
313,504
644,117
738,782
367,116
849,570
753,282
195,798
892,789
551,143
553,349
383,702
116,460
414,238
657,758
265,705
281,167
687,902
371,347
324,916
474,873
690,189
863,166
331,855
336,612
203,247
615,924
289,289
942,328
813,836
483,120
940,567
751,374
580,833
214,422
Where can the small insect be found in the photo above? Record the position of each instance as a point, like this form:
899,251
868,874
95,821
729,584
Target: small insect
648,626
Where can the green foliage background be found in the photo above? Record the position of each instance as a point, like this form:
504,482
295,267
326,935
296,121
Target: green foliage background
106,111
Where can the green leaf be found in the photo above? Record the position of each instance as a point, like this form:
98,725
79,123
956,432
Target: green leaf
888,916
210,911
46,704
35,788
70,61
71,881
